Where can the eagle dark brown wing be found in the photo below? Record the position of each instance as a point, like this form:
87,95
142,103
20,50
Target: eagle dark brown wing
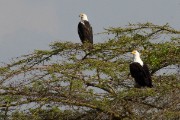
85,32
140,74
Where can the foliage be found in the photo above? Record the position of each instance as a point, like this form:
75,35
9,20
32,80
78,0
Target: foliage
70,82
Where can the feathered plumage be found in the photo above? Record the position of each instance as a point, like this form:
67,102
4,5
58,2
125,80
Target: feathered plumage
140,71
85,30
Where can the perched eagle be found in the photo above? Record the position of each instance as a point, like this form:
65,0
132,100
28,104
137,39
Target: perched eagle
85,30
140,71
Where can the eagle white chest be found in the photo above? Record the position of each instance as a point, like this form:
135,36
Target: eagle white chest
82,21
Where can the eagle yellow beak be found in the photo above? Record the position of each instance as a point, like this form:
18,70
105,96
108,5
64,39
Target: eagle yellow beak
133,52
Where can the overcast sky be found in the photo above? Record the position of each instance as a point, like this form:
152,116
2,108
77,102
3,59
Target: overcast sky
26,25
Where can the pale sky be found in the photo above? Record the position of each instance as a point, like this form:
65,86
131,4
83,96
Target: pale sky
26,25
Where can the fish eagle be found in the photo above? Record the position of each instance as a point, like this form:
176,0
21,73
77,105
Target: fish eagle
85,30
140,71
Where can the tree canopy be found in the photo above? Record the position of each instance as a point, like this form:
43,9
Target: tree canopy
71,82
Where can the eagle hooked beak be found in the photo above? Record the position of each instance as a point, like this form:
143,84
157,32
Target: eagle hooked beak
133,52
81,14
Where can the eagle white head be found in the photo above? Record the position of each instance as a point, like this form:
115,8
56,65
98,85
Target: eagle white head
83,17
137,58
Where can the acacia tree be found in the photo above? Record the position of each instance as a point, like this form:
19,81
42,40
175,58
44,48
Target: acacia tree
70,82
